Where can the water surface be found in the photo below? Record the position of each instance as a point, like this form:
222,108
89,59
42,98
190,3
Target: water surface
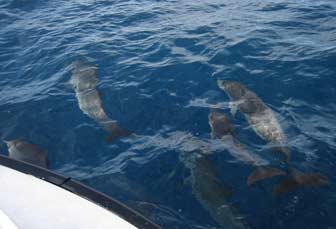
158,62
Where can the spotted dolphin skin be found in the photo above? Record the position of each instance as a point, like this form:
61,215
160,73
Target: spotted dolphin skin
264,122
27,152
259,116
84,81
222,128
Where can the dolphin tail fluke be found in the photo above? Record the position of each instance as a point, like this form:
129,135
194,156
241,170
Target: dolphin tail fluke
115,131
298,179
262,172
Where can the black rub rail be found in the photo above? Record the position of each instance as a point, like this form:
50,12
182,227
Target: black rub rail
82,190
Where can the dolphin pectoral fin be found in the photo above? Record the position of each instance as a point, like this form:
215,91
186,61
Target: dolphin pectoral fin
234,105
116,132
297,180
233,108
262,172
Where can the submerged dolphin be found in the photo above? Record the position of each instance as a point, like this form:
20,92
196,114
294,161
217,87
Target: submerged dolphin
27,152
265,124
84,81
205,181
211,193
222,128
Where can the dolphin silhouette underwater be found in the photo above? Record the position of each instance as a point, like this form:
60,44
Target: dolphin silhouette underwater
205,182
210,191
25,151
265,124
84,81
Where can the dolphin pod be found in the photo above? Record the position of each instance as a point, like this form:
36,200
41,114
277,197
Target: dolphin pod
206,185
265,124
84,81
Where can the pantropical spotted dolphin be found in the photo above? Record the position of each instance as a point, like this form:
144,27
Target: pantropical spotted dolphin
259,116
84,81
264,122
27,152
222,128
211,192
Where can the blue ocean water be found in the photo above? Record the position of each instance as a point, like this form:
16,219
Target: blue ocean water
158,62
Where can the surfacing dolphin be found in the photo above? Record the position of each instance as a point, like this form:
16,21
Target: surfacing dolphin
27,152
84,81
222,128
264,122
259,116
210,191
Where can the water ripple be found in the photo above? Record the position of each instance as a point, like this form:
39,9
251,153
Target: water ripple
157,63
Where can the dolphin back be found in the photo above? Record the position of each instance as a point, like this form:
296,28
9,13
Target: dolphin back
213,194
220,124
84,76
84,81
